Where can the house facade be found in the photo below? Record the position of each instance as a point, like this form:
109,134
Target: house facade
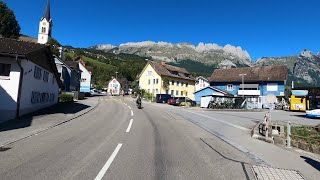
210,91
69,74
114,87
155,76
85,81
29,80
201,83
252,83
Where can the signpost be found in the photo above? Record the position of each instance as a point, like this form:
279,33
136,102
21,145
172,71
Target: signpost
271,100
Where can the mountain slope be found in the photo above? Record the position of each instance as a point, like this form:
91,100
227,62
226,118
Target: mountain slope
205,53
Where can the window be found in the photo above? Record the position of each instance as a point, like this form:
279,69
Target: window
182,84
149,81
5,69
148,90
149,73
43,30
272,87
157,81
167,91
181,93
156,91
177,93
178,83
230,87
172,92
83,79
172,82
37,72
186,93
154,81
187,84
45,76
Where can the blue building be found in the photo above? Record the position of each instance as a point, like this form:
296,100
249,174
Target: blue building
210,91
252,83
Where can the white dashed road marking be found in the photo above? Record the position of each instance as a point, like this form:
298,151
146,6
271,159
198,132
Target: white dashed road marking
129,127
131,113
108,163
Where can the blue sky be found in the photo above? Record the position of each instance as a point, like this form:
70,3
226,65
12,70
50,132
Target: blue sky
265,28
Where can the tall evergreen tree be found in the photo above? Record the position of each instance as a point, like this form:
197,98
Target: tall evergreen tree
9,26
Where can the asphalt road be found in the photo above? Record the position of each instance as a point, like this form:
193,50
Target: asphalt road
118,141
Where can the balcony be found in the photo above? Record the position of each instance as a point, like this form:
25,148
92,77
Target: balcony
249,92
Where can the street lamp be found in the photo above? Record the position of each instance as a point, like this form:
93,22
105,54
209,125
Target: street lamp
242,76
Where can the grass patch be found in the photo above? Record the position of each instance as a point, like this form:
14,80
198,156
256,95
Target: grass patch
306,134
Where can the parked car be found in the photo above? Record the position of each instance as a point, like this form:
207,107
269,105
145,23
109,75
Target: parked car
172,100
313,113
184,99
163,98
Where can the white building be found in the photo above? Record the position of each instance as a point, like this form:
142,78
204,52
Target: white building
114,87
45,26
85,81
201,83
29,80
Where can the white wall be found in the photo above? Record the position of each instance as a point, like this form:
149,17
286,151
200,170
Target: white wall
85,74
31,84
114,87
201,84
43,37
9,90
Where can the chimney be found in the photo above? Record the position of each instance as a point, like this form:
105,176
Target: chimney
163,63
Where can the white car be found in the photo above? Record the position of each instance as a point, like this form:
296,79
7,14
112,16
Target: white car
313,113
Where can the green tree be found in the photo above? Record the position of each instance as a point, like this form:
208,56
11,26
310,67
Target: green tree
9,26
166,84
54,46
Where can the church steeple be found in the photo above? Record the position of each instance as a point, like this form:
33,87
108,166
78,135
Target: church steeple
45,26
47,13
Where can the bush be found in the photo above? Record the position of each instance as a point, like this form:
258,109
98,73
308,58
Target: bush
66,98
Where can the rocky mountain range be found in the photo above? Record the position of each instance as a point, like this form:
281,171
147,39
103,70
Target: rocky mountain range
205,53
303,68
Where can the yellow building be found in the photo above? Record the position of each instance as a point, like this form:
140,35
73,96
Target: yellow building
153,75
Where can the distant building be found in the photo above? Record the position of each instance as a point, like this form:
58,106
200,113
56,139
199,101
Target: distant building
180,81
258,82
114,87
29,79
201,83
45,26
69,74
86,72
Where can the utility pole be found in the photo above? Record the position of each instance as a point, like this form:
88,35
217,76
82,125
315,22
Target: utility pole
242,76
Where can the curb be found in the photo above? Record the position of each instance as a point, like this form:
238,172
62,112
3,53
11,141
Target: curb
50,127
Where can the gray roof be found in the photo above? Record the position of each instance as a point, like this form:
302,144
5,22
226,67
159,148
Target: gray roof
47,13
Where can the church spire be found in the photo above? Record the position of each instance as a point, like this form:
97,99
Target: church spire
47,13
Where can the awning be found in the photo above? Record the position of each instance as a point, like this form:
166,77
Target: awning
251,86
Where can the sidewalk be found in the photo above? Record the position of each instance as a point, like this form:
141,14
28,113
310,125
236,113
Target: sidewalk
30,124
224,126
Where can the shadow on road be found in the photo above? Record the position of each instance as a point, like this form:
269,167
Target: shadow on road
26,120
312,162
